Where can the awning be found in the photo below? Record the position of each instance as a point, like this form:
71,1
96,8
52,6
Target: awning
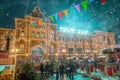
71,57
6,61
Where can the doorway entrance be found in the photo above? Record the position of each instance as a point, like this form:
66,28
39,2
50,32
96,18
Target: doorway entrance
37,55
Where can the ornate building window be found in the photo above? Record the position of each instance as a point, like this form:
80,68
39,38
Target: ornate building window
38,34
22,48
72,39
43,35
87,50
79,50
62,38
109,42
51,36
33,34
22,33
76,39
59,38
71,50
68,39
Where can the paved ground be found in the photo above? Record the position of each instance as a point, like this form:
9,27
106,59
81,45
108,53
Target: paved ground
80,77
76,77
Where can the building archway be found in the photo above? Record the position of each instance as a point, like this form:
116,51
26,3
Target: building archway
37,54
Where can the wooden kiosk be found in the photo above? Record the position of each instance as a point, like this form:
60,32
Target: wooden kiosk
6,66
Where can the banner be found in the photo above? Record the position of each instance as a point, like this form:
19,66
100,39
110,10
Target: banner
91,1
40,22
51,18
85,5
37,23
77,7
47,19
60,14
103,1
65,12
56,16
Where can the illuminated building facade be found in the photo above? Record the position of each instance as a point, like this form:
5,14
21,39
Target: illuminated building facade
46,40
3,36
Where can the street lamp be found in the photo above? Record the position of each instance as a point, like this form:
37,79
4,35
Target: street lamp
56,57
14,51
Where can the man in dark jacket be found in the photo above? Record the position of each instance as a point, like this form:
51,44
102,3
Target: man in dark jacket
61,70
72,67
47,69
41,68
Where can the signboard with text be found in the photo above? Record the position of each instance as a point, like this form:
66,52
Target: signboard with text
4,54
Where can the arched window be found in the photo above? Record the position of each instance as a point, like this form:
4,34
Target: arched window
22,33
59,38
62,38
43,35
51,36
33,34
68,39
22,48
72,39
38,34
79,50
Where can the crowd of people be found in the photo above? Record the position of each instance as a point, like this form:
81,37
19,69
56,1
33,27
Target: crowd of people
68,67
59,69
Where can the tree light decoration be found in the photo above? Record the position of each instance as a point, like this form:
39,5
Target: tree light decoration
72,30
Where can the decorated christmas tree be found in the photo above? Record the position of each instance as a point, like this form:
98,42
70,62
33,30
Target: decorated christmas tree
28,73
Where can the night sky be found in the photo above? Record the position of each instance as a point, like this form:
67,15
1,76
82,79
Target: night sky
97,17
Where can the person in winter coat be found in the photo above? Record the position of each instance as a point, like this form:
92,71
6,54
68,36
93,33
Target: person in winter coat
61,70
41,68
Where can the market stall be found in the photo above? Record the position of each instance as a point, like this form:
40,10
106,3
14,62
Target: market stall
6,66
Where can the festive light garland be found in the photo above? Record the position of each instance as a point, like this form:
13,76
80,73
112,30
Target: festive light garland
54,17
72,30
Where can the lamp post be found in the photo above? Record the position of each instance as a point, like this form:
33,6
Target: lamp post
56,57
14,51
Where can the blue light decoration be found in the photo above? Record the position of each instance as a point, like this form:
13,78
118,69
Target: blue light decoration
72,30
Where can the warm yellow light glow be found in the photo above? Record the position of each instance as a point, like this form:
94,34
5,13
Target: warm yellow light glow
12,50
56,54
26,55
64,50
16,50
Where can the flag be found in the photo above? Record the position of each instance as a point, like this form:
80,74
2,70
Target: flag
103,1
37,23
65,12
32,25
60,14
40,22
71,10
91,1
51,18
56,16
77,7
48,19
44,20
85,4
